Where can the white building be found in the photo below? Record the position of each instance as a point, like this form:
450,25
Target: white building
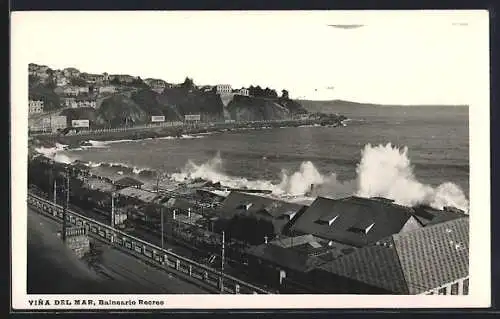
70,102
107,89
86,103
62,81
35,107
244,91
223,89
71,72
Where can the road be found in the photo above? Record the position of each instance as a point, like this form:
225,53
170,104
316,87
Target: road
51,264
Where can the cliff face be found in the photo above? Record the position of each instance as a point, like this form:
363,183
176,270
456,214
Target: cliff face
191,101
120,110
244,108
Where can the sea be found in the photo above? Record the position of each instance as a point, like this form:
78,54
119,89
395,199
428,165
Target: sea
411,154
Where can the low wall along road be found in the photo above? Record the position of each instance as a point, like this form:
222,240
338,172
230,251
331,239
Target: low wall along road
169,261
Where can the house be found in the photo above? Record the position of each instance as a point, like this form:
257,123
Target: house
244,92
107,89
140,194
428,260
361,221
62,81
85,102
93,78
70,90
35,106
126,182
69,101
122,78
156,85
58,122
223,89
279,213
71,72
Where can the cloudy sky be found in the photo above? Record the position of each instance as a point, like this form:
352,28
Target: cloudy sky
379,57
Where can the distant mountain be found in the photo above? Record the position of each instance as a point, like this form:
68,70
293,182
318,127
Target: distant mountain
333,106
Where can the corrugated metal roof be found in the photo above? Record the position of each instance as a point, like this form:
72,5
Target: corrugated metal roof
434,255
377,266
128,181
350,220
411,262
234,202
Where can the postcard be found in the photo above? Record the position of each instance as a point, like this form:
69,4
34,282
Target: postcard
250,160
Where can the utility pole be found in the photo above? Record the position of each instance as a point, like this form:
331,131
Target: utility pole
162,233
55,191
113,222
66,206
222,262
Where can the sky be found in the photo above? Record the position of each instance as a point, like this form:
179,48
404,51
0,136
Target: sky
363,56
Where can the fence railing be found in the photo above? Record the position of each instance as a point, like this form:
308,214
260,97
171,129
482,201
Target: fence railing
170,261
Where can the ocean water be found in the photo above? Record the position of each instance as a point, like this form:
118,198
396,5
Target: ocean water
411,154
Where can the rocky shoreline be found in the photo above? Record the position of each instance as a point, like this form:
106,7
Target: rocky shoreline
78,140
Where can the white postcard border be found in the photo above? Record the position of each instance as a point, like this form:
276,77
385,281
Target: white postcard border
480,284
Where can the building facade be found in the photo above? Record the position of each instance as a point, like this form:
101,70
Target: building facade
244,92
223,89
58,122
71,72
86,102
69,102
107,89
35,106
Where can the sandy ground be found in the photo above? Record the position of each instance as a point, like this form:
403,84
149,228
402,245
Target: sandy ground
54,269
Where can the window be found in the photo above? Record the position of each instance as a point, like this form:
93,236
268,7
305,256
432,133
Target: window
454,289
327,220
466,287
361,227
442,291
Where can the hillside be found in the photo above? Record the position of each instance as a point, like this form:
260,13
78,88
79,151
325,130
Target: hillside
191,101
133,102
244,108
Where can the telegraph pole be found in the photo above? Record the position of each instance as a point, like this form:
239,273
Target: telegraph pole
222,263
113,223
66,206
55,191
162,234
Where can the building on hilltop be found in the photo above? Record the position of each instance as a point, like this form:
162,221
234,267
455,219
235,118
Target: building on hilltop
70,90
156,85
429,260
69,101
107,89
223,89
244,92
361,221
71,72
62,80
35,106
85,102
47,123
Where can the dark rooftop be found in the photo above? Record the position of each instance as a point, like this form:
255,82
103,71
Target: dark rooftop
354,220
411,262
127,182
238,202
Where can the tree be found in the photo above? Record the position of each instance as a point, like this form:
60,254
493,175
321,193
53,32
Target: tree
284,94
188,83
